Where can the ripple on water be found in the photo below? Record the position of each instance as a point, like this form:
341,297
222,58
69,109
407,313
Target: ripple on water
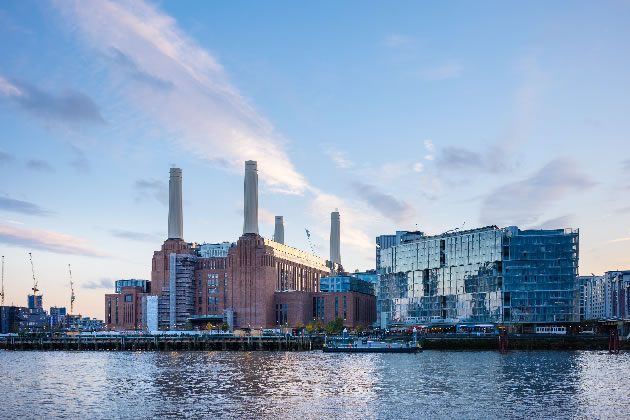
314,385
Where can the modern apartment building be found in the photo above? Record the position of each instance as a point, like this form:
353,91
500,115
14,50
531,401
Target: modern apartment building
490,274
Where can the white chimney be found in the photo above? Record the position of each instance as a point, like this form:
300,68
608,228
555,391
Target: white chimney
175,213
250,222
278,234
335,253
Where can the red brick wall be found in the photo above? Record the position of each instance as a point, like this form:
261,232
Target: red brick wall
360,308
159,266
129,313
210,274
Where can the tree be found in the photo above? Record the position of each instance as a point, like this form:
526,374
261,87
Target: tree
319,325
330,327
188,326
359,329
338,325
309,328
209,326
225,327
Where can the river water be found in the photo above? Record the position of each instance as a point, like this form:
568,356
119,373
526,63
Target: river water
238,385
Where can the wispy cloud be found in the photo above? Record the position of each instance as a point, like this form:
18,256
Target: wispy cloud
397,40
205,114
338,157
134,72
135,236
99,284
450,70
146,188
5,158
619,240
428,144
80,162
68,106
523,202
626,165
623,210
555,223
47,241
500,155
397,210
202,110
23,207
39,165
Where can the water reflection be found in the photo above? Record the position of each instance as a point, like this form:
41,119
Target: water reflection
314,385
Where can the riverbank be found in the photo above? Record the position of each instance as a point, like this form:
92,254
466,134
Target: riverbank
564,342
300,343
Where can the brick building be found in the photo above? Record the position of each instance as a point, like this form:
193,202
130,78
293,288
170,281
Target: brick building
124,310
244,282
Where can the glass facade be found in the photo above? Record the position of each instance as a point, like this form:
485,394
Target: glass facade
482,275
346,283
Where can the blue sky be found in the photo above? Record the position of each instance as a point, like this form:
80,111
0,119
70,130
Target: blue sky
402,116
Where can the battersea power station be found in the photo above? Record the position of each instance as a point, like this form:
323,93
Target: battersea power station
253,283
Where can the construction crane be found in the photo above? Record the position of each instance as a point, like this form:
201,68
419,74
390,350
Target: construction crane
72,297
308,236
2,293
35,289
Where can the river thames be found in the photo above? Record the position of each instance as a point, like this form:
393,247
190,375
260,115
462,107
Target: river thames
433,384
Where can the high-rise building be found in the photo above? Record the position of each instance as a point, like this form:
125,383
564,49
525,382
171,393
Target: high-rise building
35,302
507,276
607,296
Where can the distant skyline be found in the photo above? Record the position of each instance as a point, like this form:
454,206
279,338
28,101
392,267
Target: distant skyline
403,116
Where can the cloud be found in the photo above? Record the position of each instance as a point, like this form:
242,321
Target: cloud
339,158
132,70
5,158
396,41
23,207
47,241
39,165
428,144
202,111
619,240
100,284
146,188
428,157
450,70
418,167
626,165
523,202
135,236
623,210
396,210
500,155
266,216
80,162
555,223
69,106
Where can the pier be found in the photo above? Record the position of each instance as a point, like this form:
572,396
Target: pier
163,343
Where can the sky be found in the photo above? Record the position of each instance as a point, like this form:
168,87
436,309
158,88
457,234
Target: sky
405,116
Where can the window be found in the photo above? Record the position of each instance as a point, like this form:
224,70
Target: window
128,298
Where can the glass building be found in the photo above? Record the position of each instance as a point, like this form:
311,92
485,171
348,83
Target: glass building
490,274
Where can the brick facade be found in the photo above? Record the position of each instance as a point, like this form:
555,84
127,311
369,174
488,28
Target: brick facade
124,310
